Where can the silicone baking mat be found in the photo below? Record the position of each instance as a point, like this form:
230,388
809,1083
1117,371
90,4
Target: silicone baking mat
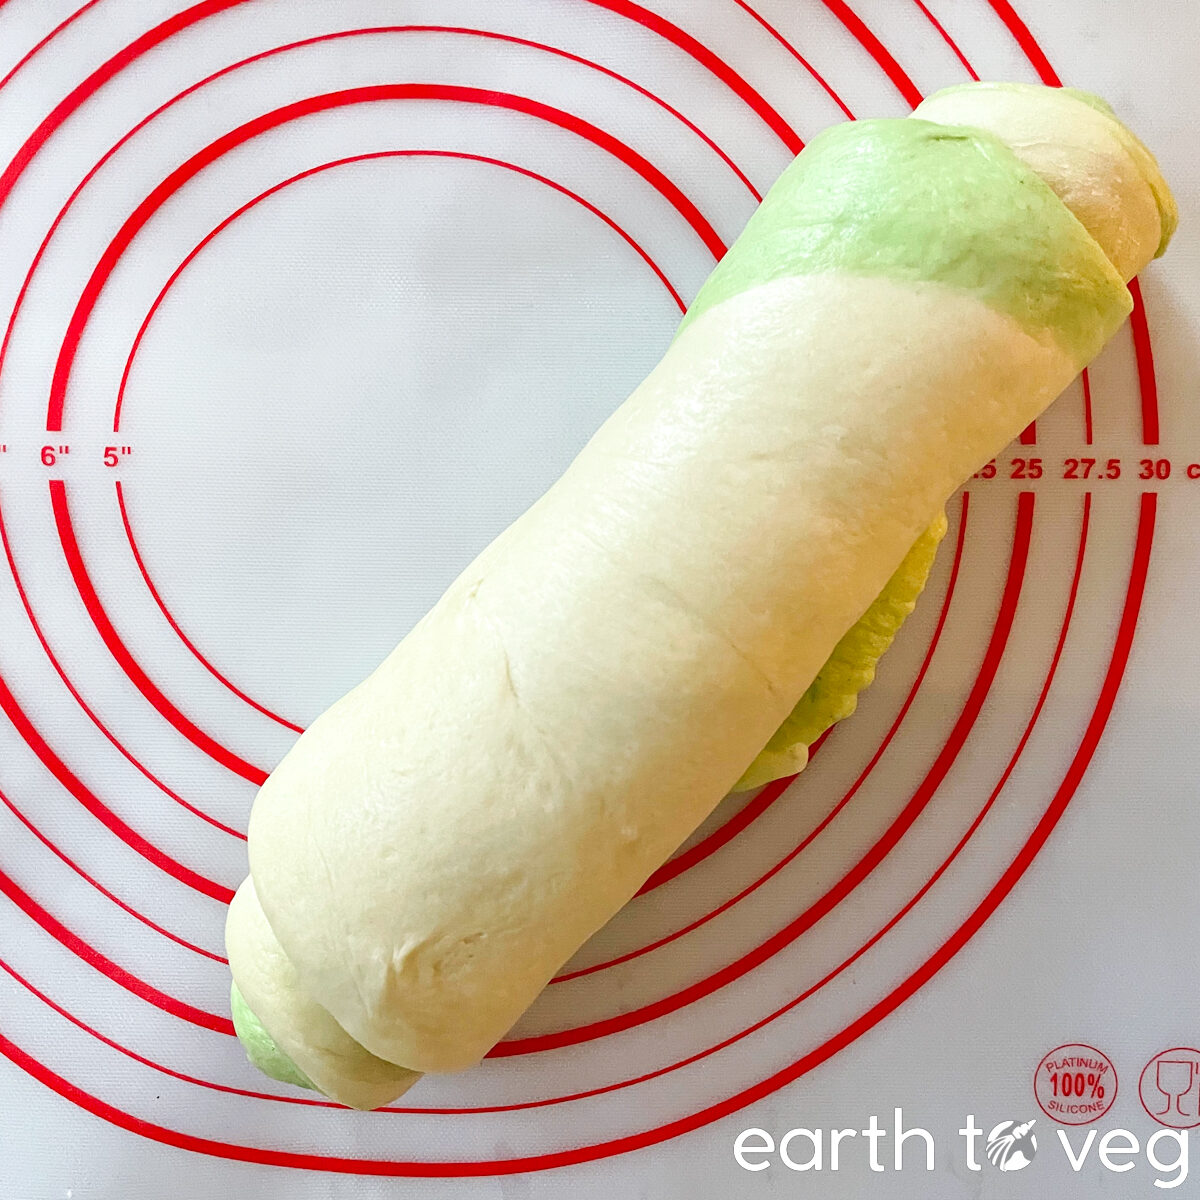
302,303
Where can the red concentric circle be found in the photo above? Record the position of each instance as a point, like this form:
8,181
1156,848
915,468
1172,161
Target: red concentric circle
747,908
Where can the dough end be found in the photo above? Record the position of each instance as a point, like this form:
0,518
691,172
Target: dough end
260,1046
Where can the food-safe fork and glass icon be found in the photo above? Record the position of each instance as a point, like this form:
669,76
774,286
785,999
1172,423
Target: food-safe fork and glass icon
1173,1077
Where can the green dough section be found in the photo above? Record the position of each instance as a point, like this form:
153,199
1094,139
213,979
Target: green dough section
833,695
914,201
260,1046
1167,210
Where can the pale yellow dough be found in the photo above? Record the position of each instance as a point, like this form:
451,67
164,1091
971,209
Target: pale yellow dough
440,841
693,569
304,1031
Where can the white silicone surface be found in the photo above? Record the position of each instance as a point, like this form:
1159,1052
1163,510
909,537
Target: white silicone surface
359,283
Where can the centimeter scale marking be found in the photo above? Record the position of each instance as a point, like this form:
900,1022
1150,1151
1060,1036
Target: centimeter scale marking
1088,467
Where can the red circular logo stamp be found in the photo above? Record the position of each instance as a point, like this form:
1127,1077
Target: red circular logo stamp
1169,1088
1075,1084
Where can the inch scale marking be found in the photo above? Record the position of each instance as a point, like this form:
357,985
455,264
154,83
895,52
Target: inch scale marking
51,454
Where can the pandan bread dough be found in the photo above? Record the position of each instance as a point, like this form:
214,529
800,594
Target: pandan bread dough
261,1048
830,698
280,1026
908,297
833,695
1075,142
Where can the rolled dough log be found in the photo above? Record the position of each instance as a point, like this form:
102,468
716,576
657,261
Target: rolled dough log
908,297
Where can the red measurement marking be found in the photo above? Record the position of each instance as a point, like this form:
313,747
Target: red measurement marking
98,809
1086,381
137,556
1155,468
98,78
105,965
962,58
347,33
713,62
635,1141
119,651
47,39
1091,468
111,456
876,49
595,66
155,1066
339,162
601,1150
331,100
796,55
200,12
1027,42
78,698
1144,356
74,866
